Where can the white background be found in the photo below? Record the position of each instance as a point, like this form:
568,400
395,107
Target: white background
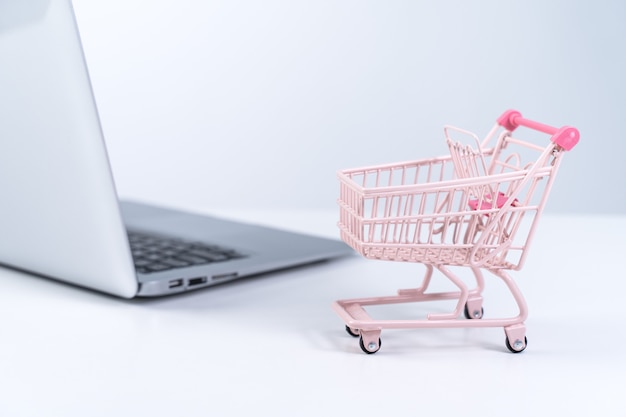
253,107
256,104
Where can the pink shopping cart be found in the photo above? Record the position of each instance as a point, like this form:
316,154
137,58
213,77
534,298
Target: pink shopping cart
476,207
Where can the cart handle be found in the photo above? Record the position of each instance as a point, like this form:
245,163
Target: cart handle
566,137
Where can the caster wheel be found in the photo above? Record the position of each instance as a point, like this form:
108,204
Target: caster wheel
476,315
371,347
518,346
353,332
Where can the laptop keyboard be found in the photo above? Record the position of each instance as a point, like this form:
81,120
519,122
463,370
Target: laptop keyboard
156,253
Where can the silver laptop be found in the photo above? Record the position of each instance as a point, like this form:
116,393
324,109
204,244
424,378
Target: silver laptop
59,212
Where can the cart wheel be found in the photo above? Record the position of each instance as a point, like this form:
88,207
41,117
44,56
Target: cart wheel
476,314
371,348
352,332
517,347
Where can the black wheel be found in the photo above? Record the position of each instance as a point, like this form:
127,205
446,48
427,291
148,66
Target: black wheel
475,316
512,349
367,349
352,332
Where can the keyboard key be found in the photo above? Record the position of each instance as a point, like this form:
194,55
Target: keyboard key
157,267
210,255
194,260
174,262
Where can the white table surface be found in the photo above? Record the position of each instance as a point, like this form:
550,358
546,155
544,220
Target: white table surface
273,346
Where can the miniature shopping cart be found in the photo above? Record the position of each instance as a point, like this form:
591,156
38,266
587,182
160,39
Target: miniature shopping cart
476,207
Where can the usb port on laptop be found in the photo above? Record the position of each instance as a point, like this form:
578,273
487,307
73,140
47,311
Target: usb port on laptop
197,281
176,283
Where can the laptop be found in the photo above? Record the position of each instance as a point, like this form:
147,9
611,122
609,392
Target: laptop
59,212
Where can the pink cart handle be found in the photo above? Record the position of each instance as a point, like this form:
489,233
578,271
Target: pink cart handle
566,137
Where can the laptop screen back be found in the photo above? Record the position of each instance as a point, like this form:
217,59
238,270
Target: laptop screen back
59,214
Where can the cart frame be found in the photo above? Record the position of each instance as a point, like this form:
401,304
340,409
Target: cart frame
477,207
